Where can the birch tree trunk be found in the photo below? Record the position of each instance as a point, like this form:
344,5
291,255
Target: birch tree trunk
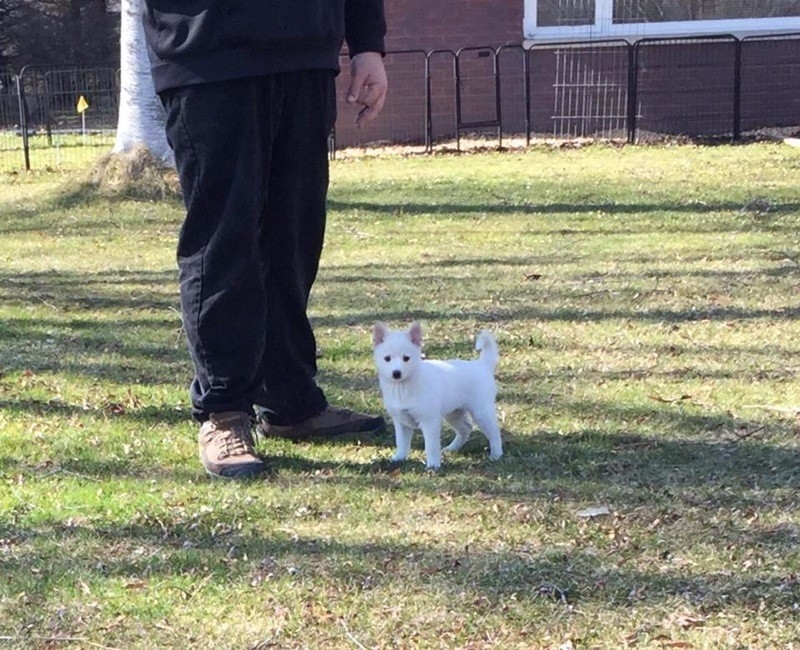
141,116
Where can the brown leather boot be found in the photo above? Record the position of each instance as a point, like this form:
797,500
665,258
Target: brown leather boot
330,423
226,446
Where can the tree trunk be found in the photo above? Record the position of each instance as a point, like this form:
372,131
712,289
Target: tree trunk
141,116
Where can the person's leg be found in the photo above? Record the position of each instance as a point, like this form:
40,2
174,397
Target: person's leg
214,132
291,242
219,150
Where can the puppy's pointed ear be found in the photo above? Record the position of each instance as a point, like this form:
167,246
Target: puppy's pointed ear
415,334
379,332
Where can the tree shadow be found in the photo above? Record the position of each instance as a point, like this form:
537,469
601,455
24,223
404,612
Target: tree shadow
152,550
78,193
120,325
769,222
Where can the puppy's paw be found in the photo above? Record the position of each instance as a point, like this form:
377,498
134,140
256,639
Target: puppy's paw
496,455
390,467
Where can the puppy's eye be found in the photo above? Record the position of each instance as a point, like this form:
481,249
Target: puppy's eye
406,359
387,358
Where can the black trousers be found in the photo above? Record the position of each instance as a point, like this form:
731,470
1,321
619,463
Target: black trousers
252,156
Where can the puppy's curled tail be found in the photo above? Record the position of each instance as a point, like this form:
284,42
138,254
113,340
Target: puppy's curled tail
486,344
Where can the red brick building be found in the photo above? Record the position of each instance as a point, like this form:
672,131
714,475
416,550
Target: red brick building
416,27
587,77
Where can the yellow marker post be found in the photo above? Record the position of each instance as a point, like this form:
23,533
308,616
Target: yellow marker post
81,108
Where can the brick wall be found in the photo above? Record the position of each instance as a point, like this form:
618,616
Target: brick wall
452,24
426,25
770,83
684,87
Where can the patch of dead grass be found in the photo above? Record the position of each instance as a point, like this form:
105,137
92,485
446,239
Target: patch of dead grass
135,174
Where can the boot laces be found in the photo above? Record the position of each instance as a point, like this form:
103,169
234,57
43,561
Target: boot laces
233,436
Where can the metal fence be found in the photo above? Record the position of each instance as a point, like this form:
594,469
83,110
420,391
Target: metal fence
712,86
56,118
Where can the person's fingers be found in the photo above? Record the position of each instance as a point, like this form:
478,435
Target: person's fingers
373,103
368,85
355,87
365,91
370,94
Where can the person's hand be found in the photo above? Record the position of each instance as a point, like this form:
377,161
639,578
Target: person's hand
368,85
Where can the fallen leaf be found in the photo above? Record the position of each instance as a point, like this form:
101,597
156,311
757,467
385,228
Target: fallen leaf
594,511
653,525
669,400
687,622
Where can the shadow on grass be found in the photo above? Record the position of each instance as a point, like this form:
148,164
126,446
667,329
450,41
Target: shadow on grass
571,208
76,291
674,460
564,314
113,409
123,326
125,314
77,193
667,476
632,470
426,271
154,549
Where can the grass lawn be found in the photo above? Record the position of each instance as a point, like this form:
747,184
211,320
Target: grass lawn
646,304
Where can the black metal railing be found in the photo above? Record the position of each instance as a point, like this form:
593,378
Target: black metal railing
718,86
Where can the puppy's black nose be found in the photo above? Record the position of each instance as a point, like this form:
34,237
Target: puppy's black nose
396,374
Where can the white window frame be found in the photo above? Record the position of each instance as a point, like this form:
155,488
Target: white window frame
605,28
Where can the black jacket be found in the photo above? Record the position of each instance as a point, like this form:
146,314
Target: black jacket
200,41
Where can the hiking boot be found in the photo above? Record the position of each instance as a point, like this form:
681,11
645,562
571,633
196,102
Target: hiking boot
330,423
226,446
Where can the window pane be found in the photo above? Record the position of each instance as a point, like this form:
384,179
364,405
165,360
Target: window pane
658,11
552,13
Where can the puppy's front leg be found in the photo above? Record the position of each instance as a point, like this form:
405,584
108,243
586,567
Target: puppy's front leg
432,432
402,438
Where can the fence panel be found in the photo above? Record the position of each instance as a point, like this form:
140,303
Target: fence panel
686,86
770,84
441,76
9,101
478,107
100,91
693,86
512,66
403,120
580,89
59,134
12,152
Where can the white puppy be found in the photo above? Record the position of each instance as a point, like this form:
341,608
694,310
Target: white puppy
419,393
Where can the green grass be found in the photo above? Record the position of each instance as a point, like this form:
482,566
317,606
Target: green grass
646,305
61,151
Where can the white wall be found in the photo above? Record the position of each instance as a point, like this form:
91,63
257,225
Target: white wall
605,28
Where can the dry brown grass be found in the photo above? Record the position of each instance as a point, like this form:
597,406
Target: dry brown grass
136,174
